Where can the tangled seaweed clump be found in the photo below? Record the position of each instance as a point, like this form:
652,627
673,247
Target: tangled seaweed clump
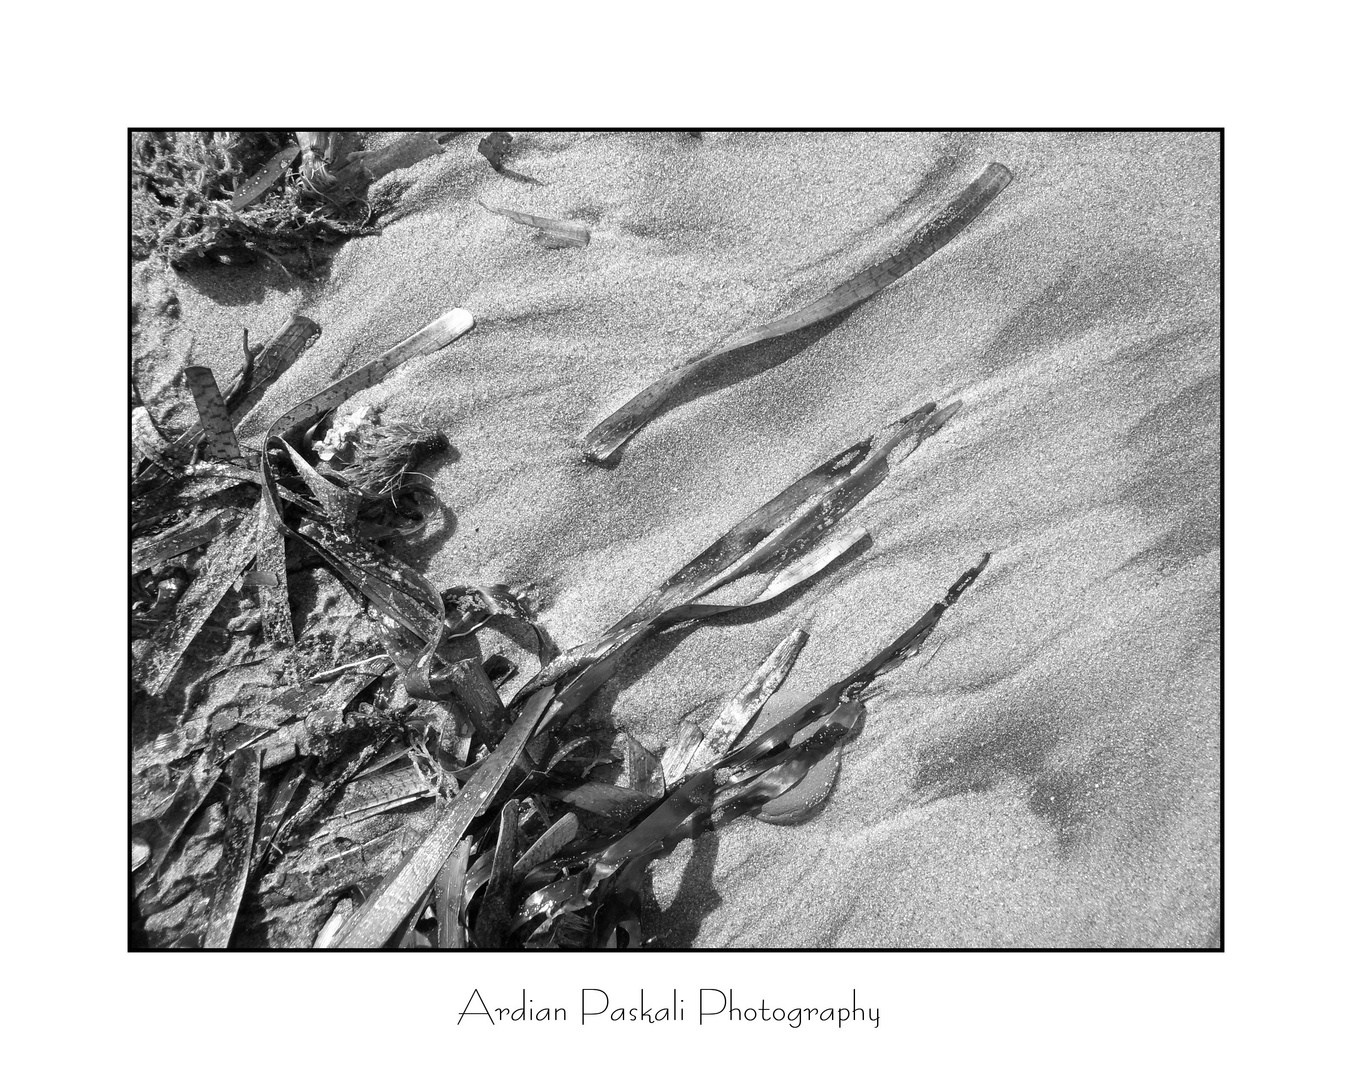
384,789
232,196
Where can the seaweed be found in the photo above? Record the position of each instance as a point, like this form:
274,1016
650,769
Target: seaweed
241,813
211,195
391,773
604,441
553,232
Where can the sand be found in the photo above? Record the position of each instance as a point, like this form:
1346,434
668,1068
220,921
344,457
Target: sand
1047,772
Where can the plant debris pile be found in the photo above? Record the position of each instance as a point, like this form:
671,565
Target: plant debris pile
388,786
327,755
233,196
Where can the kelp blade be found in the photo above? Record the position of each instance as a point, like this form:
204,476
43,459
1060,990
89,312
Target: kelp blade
223,562
389,905
559,233
212,413
271,555
241,812
257,185
604,441
748,702
282,350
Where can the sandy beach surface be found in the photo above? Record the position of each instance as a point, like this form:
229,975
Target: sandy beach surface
1046,772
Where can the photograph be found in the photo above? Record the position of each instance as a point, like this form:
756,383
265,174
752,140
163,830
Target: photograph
677,540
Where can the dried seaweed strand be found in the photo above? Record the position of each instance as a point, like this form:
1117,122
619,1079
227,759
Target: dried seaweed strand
241,812
560,233
747,703
604,440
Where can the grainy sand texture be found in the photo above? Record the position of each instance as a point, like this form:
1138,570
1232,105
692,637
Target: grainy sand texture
1046,773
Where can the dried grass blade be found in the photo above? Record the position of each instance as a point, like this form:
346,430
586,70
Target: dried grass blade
214,417
222,565
387,907
557,233
607,437
241,812
435,335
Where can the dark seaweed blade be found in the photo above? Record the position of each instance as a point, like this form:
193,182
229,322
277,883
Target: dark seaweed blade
281,803
328,786
448,895
275,598
746,704
398,592
380,916
339,504
619,804
691,797
258,373
607,437
795,518
151,551
561,833
257,185
781,773
222,565
688,807
494,147
850,687
212,414
788,523
495,910
241,812
281,351
693,578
